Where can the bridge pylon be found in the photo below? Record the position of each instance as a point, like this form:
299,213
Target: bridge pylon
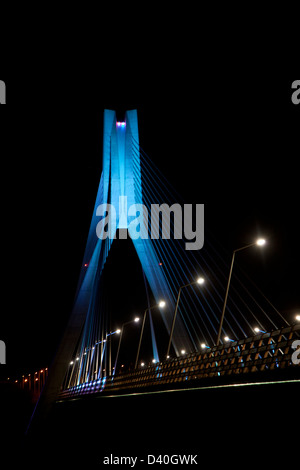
121,188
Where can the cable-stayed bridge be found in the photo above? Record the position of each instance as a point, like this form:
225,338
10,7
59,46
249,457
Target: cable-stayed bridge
185,283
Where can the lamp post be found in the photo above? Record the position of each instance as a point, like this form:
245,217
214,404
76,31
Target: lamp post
161,305
108,339
200,280
259,242
120,339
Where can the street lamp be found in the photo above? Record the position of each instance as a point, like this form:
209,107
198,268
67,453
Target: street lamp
297,317
161,304
199,281
120,332
108,338
227,339
258,330
258,242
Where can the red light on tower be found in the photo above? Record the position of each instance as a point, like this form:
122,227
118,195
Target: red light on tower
159,264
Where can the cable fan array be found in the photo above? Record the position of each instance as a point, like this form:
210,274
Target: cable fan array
200,306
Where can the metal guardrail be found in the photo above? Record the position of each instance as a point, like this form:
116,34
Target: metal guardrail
262,352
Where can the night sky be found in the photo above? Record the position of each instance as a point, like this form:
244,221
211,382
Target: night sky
230,143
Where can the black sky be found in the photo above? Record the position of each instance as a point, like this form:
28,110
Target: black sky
230,143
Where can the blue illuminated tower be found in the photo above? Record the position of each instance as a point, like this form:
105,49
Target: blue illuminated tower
120,185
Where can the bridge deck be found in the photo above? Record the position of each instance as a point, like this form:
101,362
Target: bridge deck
269,353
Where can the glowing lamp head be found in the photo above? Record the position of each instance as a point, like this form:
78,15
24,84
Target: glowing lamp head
118,331
162,304
200,280
297,317
260,242
226,338
137,319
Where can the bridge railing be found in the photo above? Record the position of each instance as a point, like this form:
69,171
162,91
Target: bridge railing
262,352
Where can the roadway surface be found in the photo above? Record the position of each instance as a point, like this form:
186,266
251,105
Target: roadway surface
257,423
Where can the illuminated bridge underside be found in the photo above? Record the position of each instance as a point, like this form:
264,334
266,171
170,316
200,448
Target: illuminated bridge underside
265,352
